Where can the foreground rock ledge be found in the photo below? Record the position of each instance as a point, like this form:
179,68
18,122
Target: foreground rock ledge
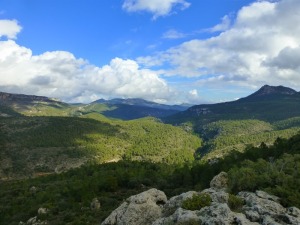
152,208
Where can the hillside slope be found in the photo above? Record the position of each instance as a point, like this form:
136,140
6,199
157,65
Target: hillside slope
263,116
32,146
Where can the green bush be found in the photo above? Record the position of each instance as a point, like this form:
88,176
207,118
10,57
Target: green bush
235,203
197,201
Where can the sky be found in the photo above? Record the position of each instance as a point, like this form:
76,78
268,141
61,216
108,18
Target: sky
167,51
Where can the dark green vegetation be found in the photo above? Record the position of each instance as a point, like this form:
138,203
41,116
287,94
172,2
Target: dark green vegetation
235,203
223,136
68,195
197,201
33,145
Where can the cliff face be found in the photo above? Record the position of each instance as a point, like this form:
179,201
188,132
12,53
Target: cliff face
152,208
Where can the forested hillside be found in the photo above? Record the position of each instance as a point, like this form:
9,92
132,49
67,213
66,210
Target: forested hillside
68,196
38,145
263,116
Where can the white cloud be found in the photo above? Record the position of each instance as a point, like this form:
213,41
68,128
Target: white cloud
60,74
261,46
173,34
193,92
224,25
9,29
156,7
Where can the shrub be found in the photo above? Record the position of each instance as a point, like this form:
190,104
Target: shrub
197,201
235,203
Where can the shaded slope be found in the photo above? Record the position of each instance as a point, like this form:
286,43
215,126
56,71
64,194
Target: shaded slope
34,145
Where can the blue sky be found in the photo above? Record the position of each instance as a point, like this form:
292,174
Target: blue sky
169,51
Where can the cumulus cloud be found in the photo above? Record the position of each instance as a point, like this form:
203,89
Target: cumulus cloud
288,58
61,75
224,25
261,46
9,29
173,34
156,7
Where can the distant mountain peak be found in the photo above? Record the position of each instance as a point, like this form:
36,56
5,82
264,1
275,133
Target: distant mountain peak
268,90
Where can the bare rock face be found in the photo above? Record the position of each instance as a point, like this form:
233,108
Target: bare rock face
180,216
219,196
220,181
141,209
257,208
34,221
42,211
221,214
175,202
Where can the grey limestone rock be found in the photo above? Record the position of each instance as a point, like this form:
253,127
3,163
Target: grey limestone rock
141,209
263,207
152,208
42,211
219,196
176,202
95,204
293,211
265,195
220,181
180,216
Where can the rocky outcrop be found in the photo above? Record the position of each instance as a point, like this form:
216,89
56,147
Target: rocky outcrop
175,202
42,211
220,181
35,220
141,209
152,208
260,206
95,204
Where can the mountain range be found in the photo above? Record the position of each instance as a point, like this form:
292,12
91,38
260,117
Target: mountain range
81,155
126,109
270,112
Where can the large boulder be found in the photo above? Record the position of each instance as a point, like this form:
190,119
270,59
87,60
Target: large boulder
261,206
220,181
141,209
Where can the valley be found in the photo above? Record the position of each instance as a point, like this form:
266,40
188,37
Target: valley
73,153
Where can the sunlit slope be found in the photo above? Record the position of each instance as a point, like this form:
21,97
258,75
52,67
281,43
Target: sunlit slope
33,145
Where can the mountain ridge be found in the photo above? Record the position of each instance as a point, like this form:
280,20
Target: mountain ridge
10,97
268,91
268,103
142,102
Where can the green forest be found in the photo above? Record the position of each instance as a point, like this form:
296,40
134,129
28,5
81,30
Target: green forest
68,195
37,144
